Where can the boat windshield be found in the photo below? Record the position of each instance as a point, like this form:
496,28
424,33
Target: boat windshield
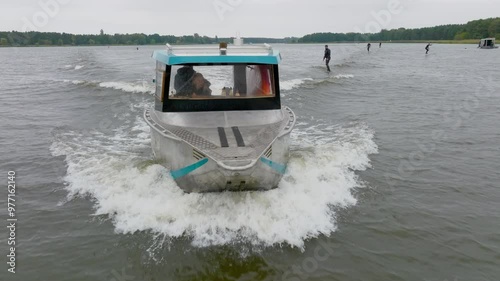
239,81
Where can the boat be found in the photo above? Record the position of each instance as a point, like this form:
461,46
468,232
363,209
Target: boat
218,123
487,43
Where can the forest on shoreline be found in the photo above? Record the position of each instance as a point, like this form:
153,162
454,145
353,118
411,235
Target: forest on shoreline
453,33
469,32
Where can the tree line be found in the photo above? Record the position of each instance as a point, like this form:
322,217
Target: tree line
472,30
32,38
476,29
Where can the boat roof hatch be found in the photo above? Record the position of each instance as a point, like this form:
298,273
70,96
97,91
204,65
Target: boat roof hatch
218,54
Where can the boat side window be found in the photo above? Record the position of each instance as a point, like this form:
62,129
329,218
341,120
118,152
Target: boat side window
160,80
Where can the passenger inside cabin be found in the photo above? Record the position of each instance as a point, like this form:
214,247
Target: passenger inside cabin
183,81
201,86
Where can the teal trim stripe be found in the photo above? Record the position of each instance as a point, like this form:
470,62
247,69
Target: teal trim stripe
169,59
280,168
188,169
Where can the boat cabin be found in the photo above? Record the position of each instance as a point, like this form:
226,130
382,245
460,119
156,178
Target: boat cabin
217,78
487,43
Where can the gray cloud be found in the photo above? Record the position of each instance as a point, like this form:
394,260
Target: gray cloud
251,18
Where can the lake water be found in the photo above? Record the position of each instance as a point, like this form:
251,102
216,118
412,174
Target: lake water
394,171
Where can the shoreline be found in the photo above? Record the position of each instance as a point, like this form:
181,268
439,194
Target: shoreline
450,42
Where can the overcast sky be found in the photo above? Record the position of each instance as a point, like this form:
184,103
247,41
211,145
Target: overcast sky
224,18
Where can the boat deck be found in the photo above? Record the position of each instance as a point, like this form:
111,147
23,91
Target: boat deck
229,143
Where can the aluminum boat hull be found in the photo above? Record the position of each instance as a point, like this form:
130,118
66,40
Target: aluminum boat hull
223,151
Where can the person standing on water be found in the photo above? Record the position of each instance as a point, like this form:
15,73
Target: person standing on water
327,57
427,48
368,47
380,45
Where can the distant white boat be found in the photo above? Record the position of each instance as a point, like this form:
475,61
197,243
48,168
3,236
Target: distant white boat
231,133
487,43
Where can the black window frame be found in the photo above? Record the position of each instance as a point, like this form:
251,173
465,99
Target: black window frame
165,104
